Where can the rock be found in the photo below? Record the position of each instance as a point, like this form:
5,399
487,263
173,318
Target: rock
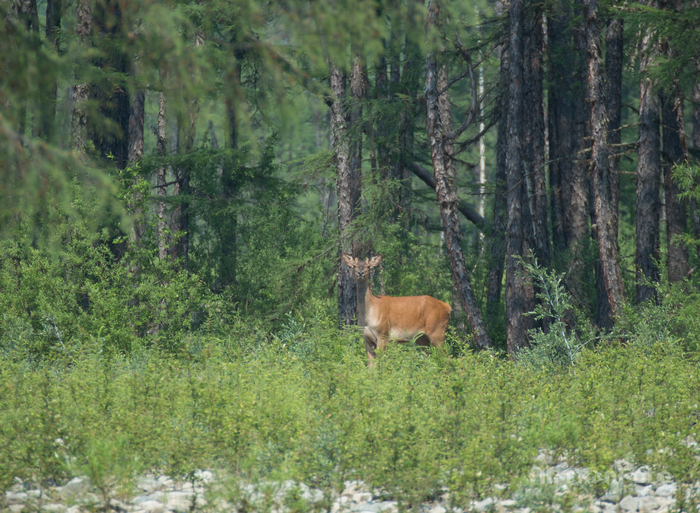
164,482
438,509
178,505
361,497
629,503
153,497
15,497
666,490
642,475
76,486
152,507
483,505
621,466
647,504
16,508
643,491
53,508
147,483
205,476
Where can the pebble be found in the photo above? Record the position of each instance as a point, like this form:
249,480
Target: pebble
631,489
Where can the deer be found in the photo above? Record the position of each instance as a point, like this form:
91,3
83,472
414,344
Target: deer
403,318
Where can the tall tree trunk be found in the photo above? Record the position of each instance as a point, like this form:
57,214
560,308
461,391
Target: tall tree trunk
80,91
111,141
135,152
603,183
47,79
441,151
497,237
516,291
648,175
568,117
613,98
534,147
675,152
161,210
348,187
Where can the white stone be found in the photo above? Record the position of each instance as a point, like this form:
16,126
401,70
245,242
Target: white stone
666,490
647,504
15,508
361,497
643,491
152,506
205,476
15,497
75,486
178,505
642,475
483,505
629,503
53,508
623,466
155,496
438,509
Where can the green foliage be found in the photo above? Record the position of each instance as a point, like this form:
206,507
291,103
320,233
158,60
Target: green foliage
566,332
412,424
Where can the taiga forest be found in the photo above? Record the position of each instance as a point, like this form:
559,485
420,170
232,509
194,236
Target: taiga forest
189,190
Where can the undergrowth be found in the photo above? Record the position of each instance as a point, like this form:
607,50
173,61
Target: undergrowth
305,406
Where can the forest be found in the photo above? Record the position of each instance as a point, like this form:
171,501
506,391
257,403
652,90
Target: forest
179,182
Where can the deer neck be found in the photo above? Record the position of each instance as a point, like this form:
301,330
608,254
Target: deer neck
364,295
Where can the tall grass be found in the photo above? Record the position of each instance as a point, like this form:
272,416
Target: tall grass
306,406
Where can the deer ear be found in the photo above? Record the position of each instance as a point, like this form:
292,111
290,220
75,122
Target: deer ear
350,261
374,261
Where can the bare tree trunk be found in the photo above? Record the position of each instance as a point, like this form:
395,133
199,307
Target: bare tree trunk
613,98
80,91
497,238
648,176
161,145
441,151
516,293
568,117
47,81
603,183
675,152
348,187
536,183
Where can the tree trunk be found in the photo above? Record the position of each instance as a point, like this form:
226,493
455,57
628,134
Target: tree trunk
648,176
441,151
111,140
534,147
161,145
603,183
568,117
348,187
613,98
496,241
516,292
47,79
80,91
675,152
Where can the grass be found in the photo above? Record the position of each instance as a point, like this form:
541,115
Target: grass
305,406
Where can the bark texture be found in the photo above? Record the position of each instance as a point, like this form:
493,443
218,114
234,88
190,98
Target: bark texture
516,322
80,91
568,117
675,152
348,190
648,177
604,198
161,145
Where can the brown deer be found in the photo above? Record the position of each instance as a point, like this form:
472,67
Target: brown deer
403,319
